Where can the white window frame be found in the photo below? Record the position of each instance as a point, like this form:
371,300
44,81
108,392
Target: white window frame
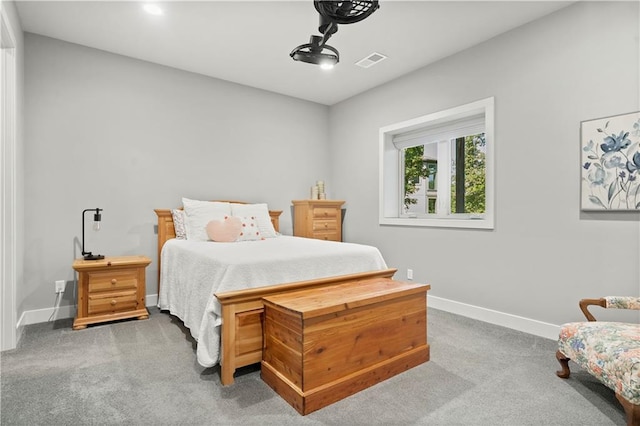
391,177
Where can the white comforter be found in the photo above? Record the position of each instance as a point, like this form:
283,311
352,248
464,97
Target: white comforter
193,271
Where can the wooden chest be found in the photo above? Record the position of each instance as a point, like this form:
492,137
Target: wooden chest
322,345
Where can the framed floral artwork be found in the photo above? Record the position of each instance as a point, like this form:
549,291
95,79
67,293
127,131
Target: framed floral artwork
611,163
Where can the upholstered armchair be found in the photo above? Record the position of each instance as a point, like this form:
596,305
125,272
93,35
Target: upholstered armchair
610,351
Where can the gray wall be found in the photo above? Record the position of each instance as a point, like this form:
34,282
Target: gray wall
128,136
544,254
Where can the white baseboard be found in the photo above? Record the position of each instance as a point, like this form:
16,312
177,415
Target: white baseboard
152,300
526,325
68,311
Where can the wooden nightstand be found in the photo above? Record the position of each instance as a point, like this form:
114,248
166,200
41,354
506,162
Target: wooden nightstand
110,289
320,219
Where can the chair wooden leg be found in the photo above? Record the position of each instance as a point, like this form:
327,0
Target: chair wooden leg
564,363
631,410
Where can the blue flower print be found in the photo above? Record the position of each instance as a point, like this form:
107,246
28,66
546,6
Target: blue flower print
634,164
610,163
577,345
597,176
616,143
612,160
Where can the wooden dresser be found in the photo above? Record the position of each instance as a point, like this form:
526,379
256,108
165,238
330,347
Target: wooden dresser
324,344
320,219
110,289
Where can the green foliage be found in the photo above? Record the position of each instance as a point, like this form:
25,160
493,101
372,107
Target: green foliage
474,171
414,169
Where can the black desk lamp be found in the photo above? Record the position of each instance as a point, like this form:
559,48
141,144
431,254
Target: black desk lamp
97,217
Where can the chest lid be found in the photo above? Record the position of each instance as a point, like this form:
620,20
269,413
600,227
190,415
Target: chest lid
319,301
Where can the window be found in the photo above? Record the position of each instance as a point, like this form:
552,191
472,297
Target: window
437,170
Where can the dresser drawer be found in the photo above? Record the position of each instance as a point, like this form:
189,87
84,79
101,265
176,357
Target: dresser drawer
113,280
325,212
328,236
112,302
324,225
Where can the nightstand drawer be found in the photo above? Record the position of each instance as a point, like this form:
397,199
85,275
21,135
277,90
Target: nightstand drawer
112,302
324,225
322,212
113,280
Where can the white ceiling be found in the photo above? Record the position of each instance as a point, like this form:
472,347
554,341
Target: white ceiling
249,42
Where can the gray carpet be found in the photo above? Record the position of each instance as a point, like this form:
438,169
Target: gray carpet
145,372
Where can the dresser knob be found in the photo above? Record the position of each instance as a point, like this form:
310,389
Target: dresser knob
113,303
326,225
113,281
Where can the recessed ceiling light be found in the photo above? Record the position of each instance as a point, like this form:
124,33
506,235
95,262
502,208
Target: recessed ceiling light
371,60
152,9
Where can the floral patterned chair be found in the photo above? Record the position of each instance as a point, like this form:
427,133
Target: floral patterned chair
610,351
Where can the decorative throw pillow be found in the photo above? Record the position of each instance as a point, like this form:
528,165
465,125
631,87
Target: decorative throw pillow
261,214
199,213
226,230
250,230
178,224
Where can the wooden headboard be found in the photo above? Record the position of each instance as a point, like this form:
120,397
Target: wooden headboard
166,230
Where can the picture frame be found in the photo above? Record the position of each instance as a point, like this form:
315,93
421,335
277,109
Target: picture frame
610,163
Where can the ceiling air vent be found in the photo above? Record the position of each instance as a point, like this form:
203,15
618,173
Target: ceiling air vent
371,60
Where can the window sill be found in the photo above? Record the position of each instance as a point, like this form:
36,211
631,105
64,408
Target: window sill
438,223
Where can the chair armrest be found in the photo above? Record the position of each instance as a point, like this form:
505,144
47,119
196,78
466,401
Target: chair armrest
588,302
609,302
620,302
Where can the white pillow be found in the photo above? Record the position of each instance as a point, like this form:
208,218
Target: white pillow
199,213
260,212
249,230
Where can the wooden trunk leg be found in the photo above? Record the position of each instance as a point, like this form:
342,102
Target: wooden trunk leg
631,410
564,363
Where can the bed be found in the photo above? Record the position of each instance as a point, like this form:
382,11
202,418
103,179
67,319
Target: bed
218,295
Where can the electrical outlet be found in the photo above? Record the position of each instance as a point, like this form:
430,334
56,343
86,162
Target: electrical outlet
409,274
60,286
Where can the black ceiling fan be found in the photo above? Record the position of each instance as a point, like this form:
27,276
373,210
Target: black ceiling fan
331,13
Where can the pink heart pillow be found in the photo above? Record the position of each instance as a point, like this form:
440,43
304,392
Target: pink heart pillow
226,230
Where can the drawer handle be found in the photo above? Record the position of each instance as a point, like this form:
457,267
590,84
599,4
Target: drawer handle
113,281
326,238
113,303
326,225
